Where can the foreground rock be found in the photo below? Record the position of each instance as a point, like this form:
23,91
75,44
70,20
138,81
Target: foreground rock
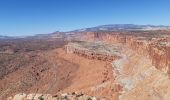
64,96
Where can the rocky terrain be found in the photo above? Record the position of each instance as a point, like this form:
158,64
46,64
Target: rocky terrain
143,69
93,65
64,96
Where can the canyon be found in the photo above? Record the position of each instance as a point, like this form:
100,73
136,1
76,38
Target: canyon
144,59
120,65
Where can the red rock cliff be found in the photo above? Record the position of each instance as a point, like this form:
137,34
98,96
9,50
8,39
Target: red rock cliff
157,49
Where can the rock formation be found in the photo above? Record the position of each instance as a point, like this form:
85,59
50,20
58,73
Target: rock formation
156,48
64,96
93,50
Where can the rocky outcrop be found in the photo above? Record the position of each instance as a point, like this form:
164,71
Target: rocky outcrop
160,55
64,96
99,51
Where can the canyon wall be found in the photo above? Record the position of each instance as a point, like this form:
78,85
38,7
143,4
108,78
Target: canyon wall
156,48
90,54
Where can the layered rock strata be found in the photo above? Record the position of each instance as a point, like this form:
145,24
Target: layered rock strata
94,50
154,46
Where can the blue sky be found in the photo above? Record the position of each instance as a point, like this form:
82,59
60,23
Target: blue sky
29,17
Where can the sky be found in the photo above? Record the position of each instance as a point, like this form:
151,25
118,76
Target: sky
29,17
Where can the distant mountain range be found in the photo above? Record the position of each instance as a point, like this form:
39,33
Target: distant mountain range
111,27
10,37
4,37
124,27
